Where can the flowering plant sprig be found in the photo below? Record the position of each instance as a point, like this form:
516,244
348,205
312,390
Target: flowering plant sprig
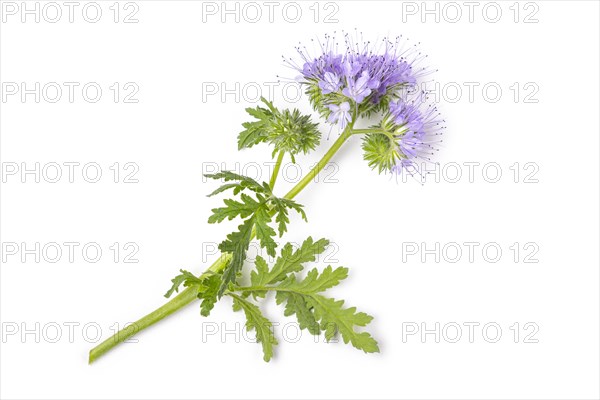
360,81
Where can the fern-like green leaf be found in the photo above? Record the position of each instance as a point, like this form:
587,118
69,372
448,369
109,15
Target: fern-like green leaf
186,278
234,208
264,233
304,298
209,294
258,322
241,182
237,244
334,318
289,261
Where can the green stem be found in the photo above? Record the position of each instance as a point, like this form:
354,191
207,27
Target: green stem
276,170
182,299
389,134
190,294
361,131
320,164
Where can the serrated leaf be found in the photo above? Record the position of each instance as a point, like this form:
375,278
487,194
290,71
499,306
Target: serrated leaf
303,298
243,182
254,132
315,282
299,208
264,233
209,295
295,304
237,244
282,219
333,317
234,208
186,278
288,262
281,205
223,188
262,268
258,322
258,215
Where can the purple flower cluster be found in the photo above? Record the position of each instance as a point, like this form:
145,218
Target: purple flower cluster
361,73
354,78
417,127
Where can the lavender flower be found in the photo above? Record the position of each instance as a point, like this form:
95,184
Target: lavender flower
406,137
407,115
330,83
417,128
358,89
365,74
340,114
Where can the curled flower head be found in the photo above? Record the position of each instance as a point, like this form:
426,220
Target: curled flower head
407,115
366,75
406,138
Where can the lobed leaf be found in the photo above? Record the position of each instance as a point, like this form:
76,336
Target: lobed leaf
289,261
334,317
209,295
256,321
234,208
242,182
186,278
237,244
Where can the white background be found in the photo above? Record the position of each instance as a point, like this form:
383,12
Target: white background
173,135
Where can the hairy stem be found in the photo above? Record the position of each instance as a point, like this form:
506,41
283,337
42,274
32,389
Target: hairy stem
320,164
190,294
182,299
